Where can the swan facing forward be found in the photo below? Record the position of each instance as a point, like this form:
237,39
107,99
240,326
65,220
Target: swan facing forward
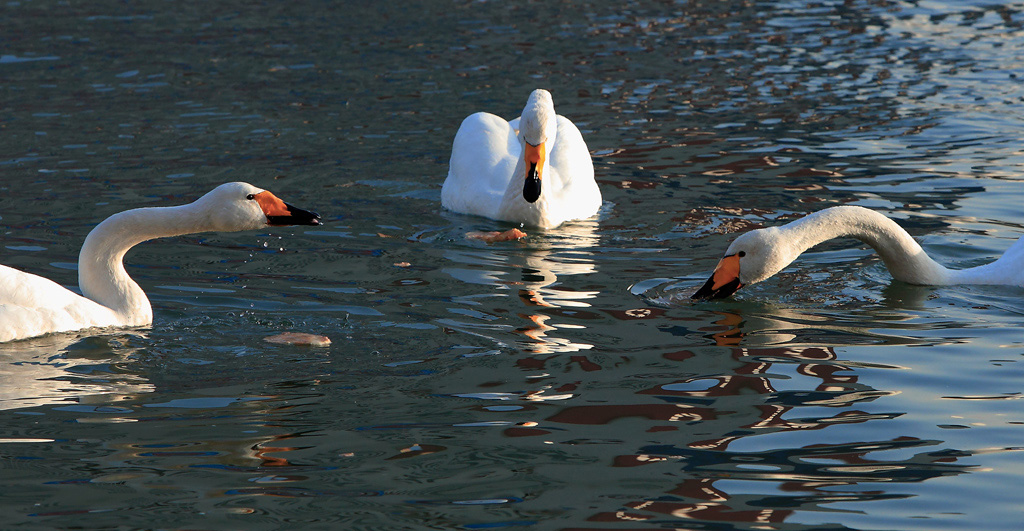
535,170
757,255
31,305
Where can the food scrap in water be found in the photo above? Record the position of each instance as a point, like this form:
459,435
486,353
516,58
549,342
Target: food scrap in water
298,338
495,236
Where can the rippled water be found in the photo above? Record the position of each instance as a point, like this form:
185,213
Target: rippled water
562,382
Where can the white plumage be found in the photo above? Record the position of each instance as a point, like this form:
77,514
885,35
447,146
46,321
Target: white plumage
757,255
493,163
31,305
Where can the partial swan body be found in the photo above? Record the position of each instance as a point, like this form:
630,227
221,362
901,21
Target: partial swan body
757,255
32,306
535,170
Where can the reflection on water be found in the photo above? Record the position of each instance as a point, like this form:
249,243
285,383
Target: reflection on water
736,399
814,478
896,321
67,369
533,274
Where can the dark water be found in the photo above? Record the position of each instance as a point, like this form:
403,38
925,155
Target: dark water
563,382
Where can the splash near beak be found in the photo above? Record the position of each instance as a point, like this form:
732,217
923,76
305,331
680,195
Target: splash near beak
723,282
280,213
534,156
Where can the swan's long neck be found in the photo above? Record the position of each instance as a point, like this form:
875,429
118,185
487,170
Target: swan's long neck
101,274
902,255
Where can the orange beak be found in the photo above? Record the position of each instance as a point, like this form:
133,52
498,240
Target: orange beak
280,213
534,157
723,282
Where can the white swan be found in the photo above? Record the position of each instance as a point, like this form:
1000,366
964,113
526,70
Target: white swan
31,305
759,254
535,170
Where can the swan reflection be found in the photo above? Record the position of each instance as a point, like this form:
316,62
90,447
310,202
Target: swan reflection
895,319
66,369
538,276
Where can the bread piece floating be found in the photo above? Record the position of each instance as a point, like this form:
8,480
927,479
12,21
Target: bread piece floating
495,236
298,338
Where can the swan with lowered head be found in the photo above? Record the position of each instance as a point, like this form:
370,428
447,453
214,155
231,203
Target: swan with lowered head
32,306
535,170
757,255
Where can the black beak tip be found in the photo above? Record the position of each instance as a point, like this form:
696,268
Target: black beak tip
705,291
296,216
708,291
531,189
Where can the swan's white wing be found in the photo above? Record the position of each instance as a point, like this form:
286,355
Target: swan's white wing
571,177
484,155
31,306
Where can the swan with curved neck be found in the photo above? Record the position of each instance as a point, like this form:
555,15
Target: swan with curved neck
31,305
757,255
535,170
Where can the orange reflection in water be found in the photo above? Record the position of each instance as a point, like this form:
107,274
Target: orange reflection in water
701,415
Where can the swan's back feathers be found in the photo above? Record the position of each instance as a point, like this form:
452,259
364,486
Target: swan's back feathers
31,306
1015,255
1008,270
484,155
571,152
1013,259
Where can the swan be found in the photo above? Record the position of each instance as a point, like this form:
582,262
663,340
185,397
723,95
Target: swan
32,306
757,255
535,170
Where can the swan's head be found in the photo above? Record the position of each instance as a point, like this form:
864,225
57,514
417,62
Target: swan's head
242,206
753,256
537,127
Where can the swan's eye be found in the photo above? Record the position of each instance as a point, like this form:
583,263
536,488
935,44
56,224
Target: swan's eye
250,197
741,254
